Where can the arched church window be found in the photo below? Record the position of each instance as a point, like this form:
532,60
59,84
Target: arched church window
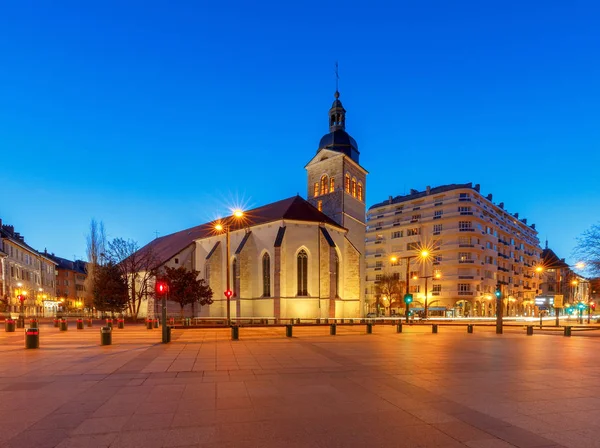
347,181
331,185
360,192
234,276
302,266
316,190
354,187
324,184
266,267
337,276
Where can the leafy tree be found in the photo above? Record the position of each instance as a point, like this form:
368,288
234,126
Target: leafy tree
110,289
389,286
138,266
185,288
588,249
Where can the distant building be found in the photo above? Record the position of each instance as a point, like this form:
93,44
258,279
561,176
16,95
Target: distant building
559,278
70,279
26,274
474,245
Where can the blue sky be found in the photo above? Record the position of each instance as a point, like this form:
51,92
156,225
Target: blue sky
155,116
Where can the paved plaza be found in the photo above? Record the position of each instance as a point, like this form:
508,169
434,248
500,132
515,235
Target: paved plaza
414,389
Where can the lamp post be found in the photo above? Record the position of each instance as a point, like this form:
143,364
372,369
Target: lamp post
424,254
427,277
220,227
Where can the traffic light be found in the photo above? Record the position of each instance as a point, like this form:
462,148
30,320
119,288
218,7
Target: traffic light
21,298
498,292
408,298
161,288
228,293
581,306
593,305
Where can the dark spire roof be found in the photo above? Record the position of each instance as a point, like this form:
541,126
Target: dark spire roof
551,261
294,208
338,139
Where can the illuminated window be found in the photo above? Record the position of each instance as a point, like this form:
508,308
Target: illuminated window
234,275
360,192
324,184
337,276
316,190
347,186
354,187
320,206
266,266
332,185
302,262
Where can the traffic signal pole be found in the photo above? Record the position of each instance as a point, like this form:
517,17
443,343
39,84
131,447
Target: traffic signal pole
164,318
498,309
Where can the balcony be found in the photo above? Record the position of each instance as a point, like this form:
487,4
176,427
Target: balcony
466,245
465,293
466,261
468,229
466,277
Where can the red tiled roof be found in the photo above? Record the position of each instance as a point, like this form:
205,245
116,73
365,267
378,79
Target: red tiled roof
294,208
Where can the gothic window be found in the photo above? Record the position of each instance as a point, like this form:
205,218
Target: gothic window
337,276
324,184
207,273
234,276
354,187
316,189
266,266
360,192
302,262
331,185
320,205
347,186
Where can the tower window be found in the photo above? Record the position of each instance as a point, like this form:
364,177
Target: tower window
234,276
320,205
266,265
360,192
347,186
337,276
354,187
331,185
302,262
316,189
324,184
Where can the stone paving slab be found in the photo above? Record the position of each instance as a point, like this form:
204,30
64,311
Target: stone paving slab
414,389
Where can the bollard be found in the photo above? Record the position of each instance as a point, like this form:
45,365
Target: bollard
434,328
33,323
369,328
9,325
109,323
155,323
64,325
121,324
470,328
235,333
56,321
567,331
529,330
169,329
89,322
105,335
32,338
80,324
149,324
288,330
399,327
318,321
332,329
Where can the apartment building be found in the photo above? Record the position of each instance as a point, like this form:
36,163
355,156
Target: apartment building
473,246
70,283
26,274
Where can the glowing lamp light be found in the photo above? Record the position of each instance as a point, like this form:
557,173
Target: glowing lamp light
580,265
539,269
219,227
394,259
424,253
161,288
238,213
228,293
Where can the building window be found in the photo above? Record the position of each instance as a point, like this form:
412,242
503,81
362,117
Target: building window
347,182
266,266
436,288
331,185
316,189
412,246
412,232
465,197
437,229
415,289
438,214
465,210
397,234
464,287
207,272
337,276
360,192
234,276
354,187
176,260
302,262
464,257
320,205
465,226
324,184
378,264
415,218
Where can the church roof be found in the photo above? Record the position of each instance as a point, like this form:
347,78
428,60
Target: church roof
294,208
551,261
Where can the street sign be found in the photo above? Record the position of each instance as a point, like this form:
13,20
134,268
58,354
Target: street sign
558,301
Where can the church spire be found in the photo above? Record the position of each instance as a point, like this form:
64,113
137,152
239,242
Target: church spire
337,115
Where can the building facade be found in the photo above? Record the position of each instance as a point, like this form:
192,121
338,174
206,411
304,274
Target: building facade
473,246
70,285
28,277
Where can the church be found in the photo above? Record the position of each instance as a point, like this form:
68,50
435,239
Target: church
293,258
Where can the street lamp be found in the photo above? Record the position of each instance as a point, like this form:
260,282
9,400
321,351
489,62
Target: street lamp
225,226
437,275
423,254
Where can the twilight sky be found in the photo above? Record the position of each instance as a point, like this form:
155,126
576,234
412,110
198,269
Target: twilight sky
156,116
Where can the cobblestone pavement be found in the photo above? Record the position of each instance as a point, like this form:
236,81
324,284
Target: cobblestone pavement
414,389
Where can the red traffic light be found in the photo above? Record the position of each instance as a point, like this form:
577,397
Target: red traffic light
228,293
161,288
21,297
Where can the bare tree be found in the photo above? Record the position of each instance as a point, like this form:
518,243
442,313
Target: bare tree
588,249
390,286
138,266
95,249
